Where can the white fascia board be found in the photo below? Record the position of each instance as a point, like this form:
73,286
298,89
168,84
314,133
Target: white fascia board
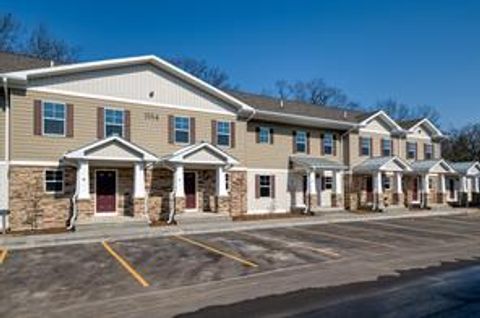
24,76
389,119
179,156
426,121
303,120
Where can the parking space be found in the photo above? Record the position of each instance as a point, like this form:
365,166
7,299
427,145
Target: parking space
99,271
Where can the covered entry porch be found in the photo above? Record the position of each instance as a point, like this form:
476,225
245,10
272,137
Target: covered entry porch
377,184
111,180
201,179
316,183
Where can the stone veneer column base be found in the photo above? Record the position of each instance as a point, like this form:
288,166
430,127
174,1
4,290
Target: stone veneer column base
337,200
85,209
154,208
441,198
398,199
425,200
222,204
354,203
138,207
312,201
179,204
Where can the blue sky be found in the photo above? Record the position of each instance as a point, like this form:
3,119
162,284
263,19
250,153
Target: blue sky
418,52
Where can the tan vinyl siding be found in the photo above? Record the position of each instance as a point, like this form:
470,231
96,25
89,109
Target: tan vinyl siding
2,126
354,157
276,155
151,134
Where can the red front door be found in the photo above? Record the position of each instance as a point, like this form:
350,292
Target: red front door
190,190
106,191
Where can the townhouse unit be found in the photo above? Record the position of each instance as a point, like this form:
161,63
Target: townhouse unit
138,137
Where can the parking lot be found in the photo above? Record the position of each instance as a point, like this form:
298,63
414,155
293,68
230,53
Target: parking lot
35,281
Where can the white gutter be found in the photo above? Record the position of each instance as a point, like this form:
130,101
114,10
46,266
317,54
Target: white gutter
7,151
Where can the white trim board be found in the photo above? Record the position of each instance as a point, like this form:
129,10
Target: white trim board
127,100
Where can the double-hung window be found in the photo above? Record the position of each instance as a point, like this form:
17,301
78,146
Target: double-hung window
265,186
328,144
223,133
264,135
54,181
411,150
301,141
365,146
53,119
386,182
114,122
182,130
428,151
386,147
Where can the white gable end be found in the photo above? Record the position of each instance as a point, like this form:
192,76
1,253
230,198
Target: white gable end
145,83
113,150
377,125
392,165
204,156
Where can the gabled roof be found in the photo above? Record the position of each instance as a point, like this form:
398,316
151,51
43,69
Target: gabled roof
466,167
411,125
93,151
311,162
182,155
366,118
376,164
427,166
24,76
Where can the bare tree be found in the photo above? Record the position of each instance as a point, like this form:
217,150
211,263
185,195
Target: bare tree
463,144
9,28
43,45
199,68
400,111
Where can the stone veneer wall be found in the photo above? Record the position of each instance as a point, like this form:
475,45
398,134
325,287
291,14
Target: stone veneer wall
238,192
206,186
31,207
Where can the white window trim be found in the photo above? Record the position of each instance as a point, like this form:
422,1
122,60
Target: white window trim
269,138
389,143
45,181
413,148
105,120
432,155
332,145
64,118
175,130
369,146
229,123
260,186
301,132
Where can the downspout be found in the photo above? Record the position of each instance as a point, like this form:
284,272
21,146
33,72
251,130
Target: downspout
71,222
7,152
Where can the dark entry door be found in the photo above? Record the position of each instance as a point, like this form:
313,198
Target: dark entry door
369,188
106,191
415,189
190,190
451,188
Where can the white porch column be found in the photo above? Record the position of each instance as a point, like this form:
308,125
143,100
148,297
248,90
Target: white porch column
476,186
425,190
83,180
221,182
311,183
463,184
339,182
178,188
398,182
139,180
377,190
443,184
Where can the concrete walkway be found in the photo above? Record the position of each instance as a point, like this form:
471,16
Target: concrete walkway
121,233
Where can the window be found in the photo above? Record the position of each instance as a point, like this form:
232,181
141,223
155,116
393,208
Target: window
182,130
301,141
223,133
264,135
328,144
365,146
411,150
54,181
428,151
53,119
327,183
386,182
430,183
386,147
227,181
113,122
265,186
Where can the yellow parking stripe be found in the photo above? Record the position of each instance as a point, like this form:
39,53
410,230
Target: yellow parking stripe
214,250
3,255
126,265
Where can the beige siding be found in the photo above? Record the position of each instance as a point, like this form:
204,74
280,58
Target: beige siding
276,155
135,83
354,153
2,127
152,134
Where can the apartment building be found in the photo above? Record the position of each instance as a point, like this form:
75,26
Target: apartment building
138,137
